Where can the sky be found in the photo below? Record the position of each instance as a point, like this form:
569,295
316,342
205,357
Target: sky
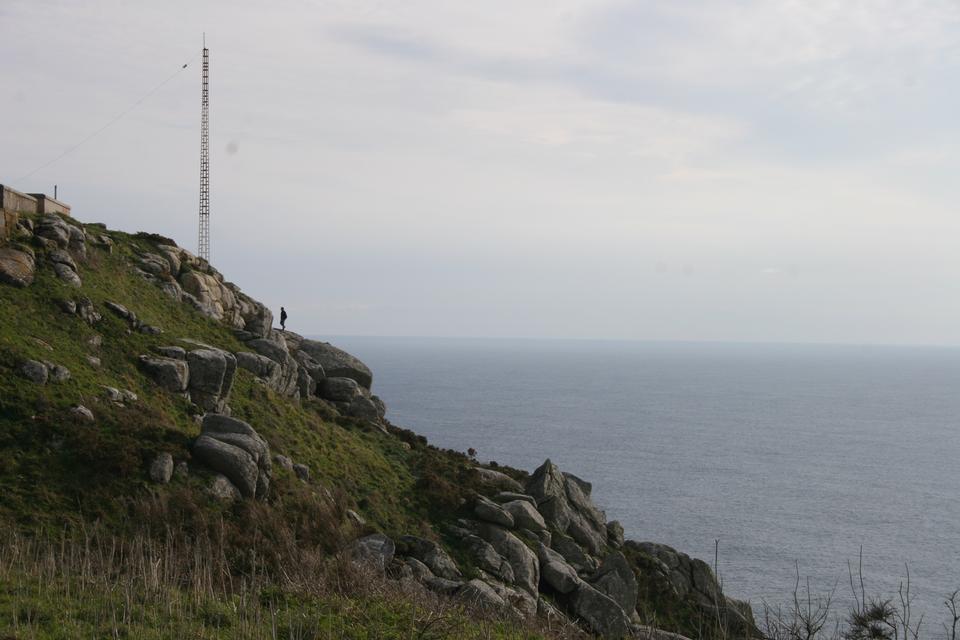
743,170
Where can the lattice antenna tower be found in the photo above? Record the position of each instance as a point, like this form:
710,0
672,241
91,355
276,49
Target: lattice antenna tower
204,248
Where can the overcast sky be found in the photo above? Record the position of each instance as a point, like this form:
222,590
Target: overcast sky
743,170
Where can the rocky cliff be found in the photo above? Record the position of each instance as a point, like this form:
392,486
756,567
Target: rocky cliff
132,368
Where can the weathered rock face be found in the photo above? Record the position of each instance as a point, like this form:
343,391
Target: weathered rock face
68,275
601,614
53,228
526,567
17,267
431,554
34,371
222,489
525,515
497,480
339,389
615,534
555,571
615,579
376,549
487,558
211,378
161,469
283,375
564,501
337,363
692,580
573,554
170,373
232,447
490,511
478,593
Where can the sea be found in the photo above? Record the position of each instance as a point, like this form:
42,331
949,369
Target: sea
772,462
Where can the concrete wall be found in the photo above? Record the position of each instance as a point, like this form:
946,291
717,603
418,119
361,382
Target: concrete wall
46,204
8,222
13,200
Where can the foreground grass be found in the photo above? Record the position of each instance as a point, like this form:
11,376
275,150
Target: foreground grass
90,587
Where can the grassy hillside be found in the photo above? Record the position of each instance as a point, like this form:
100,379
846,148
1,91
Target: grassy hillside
62,477
94,547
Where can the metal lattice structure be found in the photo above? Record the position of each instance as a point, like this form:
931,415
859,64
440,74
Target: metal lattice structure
204,248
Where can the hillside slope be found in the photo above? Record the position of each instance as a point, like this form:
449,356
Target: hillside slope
148,408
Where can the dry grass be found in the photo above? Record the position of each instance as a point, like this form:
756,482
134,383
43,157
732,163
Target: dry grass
87,585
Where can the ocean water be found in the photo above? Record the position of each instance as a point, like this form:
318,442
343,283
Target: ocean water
783,454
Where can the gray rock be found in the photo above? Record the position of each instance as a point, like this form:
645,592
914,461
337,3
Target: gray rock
420,571
53,228
376,549
81,413
523,604
478,593
119,310
59,256
564,501
498,480
258,365
492,512
526,567
615,578
510,496
302,471
58,373
575,556
615,534
355,519
339,389
128,396
113,394
525,515
17,267
443,586
172,351
230,460
306,385
232,447
169,373
222,489
78,240
150,329
172,290
154,264
87,312
283,462
211,378
556,572
337,363
67,274
430,554
161,469
362,407
487,558
601,614
284,376
68,306
93,361
34,371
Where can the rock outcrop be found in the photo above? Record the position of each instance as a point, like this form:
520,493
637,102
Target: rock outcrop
233,448
17,266
564,501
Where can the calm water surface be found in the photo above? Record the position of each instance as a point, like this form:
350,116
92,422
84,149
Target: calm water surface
783,453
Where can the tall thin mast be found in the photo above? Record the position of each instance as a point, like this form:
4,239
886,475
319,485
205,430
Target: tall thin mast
204,244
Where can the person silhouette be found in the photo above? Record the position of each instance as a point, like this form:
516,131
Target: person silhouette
283,319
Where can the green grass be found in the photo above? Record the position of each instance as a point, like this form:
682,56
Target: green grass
56,470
